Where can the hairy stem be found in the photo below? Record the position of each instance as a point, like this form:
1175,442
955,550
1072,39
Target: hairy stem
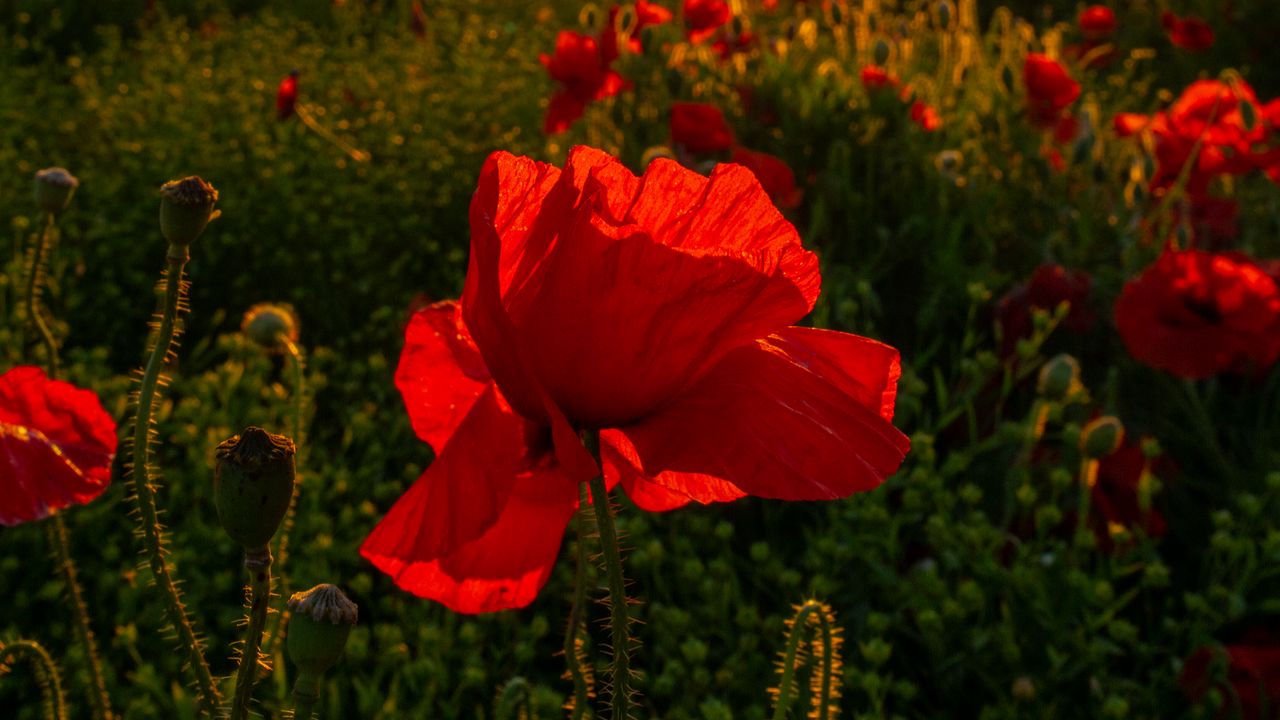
152,534
56,533
259,566
298,411
619,624
53,704
573,633
826,654
515,701
33,295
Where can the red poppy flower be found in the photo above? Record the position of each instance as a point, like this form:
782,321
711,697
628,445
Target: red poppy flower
703,17
700,128
1050,89
654,309
876,78
1189,32
1049,286
925,116
56,445
727,44
1252,680
418,20
777,179
646,14
1116,497
583,75
1196,314
1097,22
287,95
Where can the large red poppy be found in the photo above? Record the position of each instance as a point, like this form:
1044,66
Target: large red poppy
1189,32
1050,89
579,66
703,17
1197,314
656,310
56,445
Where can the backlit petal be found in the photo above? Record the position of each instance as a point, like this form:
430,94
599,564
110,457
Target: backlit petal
441,372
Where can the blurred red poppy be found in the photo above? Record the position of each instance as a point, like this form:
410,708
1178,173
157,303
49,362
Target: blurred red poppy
1196,314
703,17
700,128
925,116
1188,32
1050,89
656,310
1097,22
56,445
775,176
1252,679
1049,286
613,39
1116,493
876,78
287,95
584,76
418,20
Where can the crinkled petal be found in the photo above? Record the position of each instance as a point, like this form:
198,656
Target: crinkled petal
802,415
506,566
441,373
671,490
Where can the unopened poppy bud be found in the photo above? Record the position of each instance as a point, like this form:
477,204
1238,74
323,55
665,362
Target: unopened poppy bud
54,188
186,207
1058,377
270,325
944,14
252,485
880,53
322,620
1101,437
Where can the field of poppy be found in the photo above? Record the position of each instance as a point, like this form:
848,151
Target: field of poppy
691,359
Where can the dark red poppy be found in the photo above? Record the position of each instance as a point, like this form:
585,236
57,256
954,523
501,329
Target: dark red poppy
1049,286
1251,682
1050,89
876,78
1097,22
700,128
1188,32
703,17
580,69
418,20
1116,493
613,39
656,310
1196,314
56,445
925,116
287,95
728,44
775,176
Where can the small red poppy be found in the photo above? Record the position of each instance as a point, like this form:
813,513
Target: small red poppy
774,175
418,19
1252,679
1049,286
612,39
925,116
1097,22
1050,89
1116,494
56,445
580,69
1188,32
700,128
656,309
703,17
876,78
1196,314
287,95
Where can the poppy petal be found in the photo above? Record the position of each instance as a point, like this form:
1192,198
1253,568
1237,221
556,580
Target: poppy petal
506,566
801,415
441,373
671,491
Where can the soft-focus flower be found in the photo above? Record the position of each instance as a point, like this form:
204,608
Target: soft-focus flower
418,20
1116,494
583,74
925,116
1189,32
875,77
1050,89
775,176
700,128
656,310
1049,286
56,445
1196,314
728,43
703,17
1097,22
612,39
1252,678
287,95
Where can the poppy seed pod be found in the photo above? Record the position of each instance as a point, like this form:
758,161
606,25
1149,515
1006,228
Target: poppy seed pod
880,52
1101,437
54,188
322,620
252,485
269,326
1058,377
186,207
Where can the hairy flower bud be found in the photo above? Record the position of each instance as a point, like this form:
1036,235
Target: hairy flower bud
270,325
186,207
1058,377
1101,437
54,188
322,620
252,485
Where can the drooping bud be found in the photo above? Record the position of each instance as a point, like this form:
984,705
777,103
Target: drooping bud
252,485
270,325
322,620
1101,437
1058,377
186,207
54,188
880,52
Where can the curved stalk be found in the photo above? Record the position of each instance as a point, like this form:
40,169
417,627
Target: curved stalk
259,567
824,685
53,703
33,296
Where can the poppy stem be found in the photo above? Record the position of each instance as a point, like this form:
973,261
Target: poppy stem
56,532
816,617
1088,478
620,700
259,566
573,634
299,407
33,295
152,533
53,702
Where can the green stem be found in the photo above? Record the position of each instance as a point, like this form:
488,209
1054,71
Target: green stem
152,534
33,296
56,532
1087,478
825,684
620,700
581,690
259,566
53,703
306,691
298,411
515,702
